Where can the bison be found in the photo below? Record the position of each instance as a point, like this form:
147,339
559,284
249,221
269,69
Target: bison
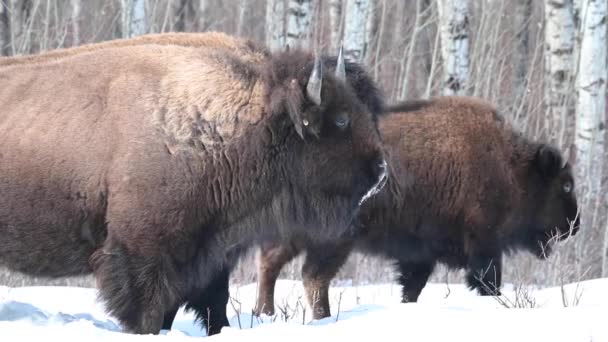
463,189
209,303
154,165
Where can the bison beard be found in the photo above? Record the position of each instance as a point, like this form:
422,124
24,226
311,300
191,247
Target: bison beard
179,157
464,190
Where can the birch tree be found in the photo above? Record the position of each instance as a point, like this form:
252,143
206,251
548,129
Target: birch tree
299,23
204,21
75,22
355,22
591,101
559,64
522,18
133,17
371,28
241,19
275,24
335,24
20,25
454,35
5,35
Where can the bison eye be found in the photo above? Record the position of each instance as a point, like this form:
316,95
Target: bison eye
341,120
567,187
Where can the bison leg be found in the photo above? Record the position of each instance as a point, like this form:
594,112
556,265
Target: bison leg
321,265
484,274
210,304
413,277
135,288
272,257
169,318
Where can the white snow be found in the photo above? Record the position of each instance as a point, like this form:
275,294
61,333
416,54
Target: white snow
366,313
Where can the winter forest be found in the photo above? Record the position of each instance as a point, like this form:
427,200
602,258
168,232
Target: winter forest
542,63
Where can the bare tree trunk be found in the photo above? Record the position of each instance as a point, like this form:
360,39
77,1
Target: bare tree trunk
408,55
133,18
180,10
241,19
5,34
355,22
454,31
379,39
275,24
299,20
591,102
335,23
559,64
75,22
371,29
523,16
204,22
19,17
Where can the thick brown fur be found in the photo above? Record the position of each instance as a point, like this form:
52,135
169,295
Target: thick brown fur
360,81
249,50
464,188
153,165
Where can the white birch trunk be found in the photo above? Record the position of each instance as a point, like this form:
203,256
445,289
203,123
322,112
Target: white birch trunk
75,22
454,32
138,20
335,24
203,15
523,16
16,23
275,24
559,63
355,22
5,34
591,102
242,17
133,18
371,28
299,23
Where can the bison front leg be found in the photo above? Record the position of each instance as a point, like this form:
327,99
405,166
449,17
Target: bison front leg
136,289
271,259
169,317
484,273
320,267
210,304
412,278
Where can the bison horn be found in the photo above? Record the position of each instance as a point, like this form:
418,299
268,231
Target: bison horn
340,70
313,89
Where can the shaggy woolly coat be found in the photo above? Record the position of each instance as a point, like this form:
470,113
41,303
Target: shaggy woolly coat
181,155
464,188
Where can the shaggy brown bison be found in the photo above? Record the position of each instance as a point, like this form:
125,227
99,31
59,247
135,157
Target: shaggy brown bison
464,188
209,303
153,165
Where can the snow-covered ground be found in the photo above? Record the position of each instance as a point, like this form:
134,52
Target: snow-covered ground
371,313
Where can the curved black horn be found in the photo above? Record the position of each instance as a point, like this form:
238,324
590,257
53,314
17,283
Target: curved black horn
340,69
313,88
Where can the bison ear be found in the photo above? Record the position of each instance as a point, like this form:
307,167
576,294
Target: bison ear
548,160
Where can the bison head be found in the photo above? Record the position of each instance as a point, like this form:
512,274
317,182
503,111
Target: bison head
551,209
336,158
